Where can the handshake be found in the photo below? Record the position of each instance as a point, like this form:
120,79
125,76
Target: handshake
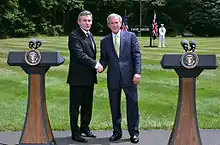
99,67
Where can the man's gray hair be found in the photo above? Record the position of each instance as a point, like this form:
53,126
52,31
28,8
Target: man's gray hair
114,15
84,13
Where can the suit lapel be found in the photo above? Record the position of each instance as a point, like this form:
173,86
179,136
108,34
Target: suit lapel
122,39
111,44
83,35
90,43
93,43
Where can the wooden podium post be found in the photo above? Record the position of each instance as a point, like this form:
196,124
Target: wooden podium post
185,130
37,129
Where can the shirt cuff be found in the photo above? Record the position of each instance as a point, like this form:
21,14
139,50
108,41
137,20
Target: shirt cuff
137,75
97,64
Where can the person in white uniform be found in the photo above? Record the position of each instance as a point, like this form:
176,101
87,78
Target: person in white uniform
162,32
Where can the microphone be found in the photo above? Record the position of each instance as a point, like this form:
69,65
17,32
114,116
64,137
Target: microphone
192,44
184,44
38,43
32,43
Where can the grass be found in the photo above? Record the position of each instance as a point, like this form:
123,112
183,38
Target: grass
158,90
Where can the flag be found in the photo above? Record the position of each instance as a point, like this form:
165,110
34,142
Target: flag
154,26
125,24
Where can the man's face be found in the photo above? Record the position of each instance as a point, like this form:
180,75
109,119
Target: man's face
85,22
114,24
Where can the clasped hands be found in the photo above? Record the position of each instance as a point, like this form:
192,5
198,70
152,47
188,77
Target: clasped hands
136,77
99,67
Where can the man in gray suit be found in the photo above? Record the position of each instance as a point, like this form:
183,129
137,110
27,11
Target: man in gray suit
120,52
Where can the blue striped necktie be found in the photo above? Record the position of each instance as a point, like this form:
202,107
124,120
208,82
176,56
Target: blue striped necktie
90,38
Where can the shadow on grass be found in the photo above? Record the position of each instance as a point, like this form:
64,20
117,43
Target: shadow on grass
91,141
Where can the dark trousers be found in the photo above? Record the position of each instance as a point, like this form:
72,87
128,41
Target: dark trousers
81,97
131,106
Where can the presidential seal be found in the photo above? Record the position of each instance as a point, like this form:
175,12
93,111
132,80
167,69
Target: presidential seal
189,60
32,57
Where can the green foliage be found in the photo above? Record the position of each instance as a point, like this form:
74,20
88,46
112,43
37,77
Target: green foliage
19,18
204,19
46,28
158,2
13,21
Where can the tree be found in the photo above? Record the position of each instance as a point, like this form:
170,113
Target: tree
204,19
13,22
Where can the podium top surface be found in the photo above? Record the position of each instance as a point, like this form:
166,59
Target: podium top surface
172,61
47,59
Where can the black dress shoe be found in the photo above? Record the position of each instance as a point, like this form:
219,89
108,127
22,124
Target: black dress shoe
79,138
88,133
115,137
134,139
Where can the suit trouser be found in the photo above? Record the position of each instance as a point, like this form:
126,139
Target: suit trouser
80,97
161,41
131,109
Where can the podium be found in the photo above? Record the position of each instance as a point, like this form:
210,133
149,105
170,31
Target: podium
36,129
185,130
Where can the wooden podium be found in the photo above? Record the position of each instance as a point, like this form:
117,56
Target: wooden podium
37,129
185,130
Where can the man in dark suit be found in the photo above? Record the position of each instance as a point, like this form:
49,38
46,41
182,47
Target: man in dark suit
82,76
120,52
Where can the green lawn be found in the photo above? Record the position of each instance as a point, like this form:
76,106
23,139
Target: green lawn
158,90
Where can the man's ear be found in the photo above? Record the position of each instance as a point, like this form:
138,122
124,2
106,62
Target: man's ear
121,24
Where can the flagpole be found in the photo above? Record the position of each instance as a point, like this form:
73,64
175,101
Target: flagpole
140,16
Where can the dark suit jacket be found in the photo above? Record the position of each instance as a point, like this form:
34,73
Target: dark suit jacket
82,70
121,69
